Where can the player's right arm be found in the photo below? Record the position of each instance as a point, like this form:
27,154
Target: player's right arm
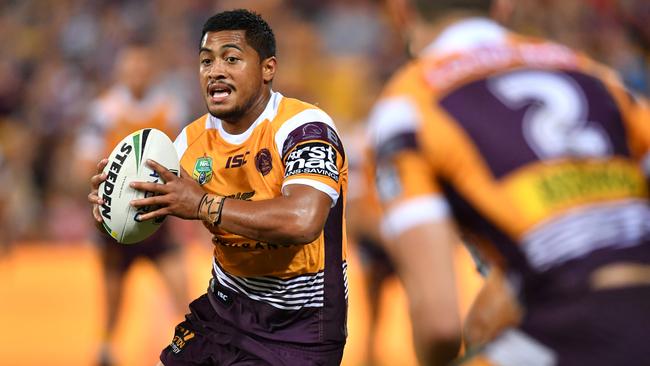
93,196
421,235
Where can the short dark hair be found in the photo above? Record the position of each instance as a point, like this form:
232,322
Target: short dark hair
432,9
258,33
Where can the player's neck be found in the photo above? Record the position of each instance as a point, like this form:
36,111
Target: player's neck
136,92
243,122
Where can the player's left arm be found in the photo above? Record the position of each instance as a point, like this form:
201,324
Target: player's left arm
296,217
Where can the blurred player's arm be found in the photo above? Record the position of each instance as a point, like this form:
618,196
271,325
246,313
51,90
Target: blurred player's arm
363,212
494,309
419,233
423,258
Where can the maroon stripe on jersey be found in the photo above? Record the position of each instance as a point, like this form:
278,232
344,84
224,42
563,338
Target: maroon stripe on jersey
497,130
312,131
336,308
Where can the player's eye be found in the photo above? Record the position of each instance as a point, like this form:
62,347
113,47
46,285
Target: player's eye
206,62
231,59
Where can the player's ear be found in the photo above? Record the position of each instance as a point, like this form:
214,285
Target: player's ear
268,69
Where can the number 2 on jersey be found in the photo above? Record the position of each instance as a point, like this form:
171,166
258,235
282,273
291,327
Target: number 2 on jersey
555,125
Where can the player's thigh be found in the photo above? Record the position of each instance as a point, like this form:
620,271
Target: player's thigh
203,339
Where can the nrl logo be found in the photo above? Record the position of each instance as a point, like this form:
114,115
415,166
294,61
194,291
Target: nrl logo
203,170
181,337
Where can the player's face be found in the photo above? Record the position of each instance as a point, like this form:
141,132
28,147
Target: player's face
233,78
134,69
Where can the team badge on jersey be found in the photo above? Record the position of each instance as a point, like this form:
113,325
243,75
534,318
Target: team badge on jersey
203,170
263,161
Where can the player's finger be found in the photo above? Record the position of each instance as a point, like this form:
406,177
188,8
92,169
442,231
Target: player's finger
149,201
161,170
101,165
96,180
96,214
149,187
153,214
94,198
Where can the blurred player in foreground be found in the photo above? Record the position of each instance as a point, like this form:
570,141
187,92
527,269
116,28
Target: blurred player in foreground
132,103
363,223
268,180
537,155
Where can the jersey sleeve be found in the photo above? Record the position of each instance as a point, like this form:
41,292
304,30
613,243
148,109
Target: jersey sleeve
404,178
638,116
312,152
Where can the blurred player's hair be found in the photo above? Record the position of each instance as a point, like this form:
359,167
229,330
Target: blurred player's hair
258,33
432,9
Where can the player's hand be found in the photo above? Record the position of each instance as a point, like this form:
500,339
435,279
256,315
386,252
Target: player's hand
179,196
93,196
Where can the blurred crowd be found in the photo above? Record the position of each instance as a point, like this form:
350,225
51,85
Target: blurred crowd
58,55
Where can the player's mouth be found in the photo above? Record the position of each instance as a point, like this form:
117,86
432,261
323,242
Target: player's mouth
219,92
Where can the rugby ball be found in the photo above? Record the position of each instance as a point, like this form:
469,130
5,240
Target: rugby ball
126,164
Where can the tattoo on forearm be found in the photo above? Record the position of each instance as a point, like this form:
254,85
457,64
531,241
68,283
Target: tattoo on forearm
210,208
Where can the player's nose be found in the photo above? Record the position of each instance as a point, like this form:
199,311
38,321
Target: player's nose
218,71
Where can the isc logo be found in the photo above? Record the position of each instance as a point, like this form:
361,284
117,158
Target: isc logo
236,161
